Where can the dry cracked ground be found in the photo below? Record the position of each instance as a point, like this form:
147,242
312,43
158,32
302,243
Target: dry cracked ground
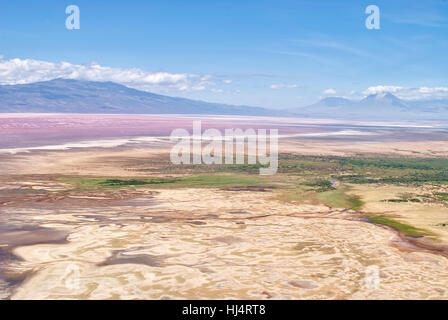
151,242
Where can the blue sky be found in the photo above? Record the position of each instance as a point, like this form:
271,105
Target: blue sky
277,54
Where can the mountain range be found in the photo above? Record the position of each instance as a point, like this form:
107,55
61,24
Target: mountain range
380,106
76,96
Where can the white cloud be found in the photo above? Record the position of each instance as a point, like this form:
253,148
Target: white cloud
329,91
408,93
382,89
22,71
227,81
426,90
283,86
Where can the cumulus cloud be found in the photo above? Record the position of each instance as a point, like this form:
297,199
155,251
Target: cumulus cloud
382,89
329,92
227,81
409,93
22,71
283,86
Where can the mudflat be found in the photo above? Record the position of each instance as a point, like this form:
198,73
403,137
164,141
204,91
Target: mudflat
109,217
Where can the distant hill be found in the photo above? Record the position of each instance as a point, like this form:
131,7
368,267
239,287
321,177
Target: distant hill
381,106
74,96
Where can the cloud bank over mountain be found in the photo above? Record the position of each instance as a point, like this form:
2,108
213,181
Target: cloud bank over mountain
27,71
24,71
418,93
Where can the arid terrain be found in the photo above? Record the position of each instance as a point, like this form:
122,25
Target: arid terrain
89,211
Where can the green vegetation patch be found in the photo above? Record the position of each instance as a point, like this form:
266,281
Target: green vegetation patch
212,181
195,169
441,196
353,169
402,227
404,197
365,170
300,179
339,199
219,181
403,200
133,182
321,185
96,183
316,194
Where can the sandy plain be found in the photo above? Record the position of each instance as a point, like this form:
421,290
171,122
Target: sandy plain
143,242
